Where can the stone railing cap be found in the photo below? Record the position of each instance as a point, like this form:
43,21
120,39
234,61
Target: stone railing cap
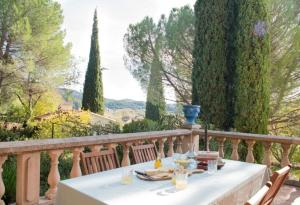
17,147
250,136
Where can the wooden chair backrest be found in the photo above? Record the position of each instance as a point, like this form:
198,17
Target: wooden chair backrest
277,179
144,153
259,196
94,162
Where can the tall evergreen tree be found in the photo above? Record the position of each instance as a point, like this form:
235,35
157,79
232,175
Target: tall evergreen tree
252,67
155,105
93,88
210,60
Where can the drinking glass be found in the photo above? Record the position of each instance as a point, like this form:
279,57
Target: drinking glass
181,180
127,176
212,166
176,156
192,165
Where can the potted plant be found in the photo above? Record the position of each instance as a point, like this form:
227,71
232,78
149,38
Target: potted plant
191,112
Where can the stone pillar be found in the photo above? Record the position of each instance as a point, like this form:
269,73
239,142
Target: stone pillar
28,178
171,146
250,157
153,141
96,148
111,146
285,155
76,170
161,145
53,177
179,144
235,146
221,146
126,160
267,155
192,139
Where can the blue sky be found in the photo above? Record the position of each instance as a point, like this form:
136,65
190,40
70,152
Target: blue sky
114,17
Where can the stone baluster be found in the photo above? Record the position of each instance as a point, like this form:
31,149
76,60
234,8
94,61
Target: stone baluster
111,146
196,139
126,160
267,155
76,170
96,148
53,177
153,141
171,146
208,141
179,144
221,146
2,187
250,157
161,145
235,146
285,155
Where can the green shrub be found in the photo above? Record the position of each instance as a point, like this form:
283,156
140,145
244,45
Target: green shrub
105,129
72,124
9,179
140,126
166,122
15,113
170,122
16,135
7,135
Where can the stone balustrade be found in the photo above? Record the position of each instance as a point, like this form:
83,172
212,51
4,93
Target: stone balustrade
28,158
251,139
28,154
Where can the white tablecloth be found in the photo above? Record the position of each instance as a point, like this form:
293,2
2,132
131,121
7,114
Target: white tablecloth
234,184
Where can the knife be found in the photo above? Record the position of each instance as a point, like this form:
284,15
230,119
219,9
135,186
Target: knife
144,174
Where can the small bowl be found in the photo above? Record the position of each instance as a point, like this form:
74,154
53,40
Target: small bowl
183,162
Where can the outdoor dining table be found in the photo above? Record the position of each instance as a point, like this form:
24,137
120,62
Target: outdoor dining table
234,184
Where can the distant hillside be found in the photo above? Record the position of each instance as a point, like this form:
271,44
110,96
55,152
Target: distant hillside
125,103
76,97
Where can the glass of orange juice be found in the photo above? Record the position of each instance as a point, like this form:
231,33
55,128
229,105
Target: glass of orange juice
127,177
181,180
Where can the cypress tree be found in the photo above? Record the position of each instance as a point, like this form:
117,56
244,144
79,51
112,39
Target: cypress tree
210,60
93,88
252,70
252,67
155,105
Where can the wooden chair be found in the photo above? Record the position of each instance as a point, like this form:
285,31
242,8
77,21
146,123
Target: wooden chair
144,153
94,162
277,179
259,196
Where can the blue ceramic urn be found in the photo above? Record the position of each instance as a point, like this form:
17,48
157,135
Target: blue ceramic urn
191,113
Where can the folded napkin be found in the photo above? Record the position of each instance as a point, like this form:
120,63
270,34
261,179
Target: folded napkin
207,155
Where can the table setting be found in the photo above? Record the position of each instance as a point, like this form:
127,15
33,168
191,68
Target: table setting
178,180
182,166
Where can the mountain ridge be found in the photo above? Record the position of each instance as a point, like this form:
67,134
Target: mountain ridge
112,104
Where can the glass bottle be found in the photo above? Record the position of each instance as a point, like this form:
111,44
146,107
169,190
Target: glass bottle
157,163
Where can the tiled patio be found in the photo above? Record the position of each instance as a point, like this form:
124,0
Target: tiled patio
288,195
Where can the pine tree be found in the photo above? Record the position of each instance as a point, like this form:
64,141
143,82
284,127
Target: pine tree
155,105
210,60
93,88
252,67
